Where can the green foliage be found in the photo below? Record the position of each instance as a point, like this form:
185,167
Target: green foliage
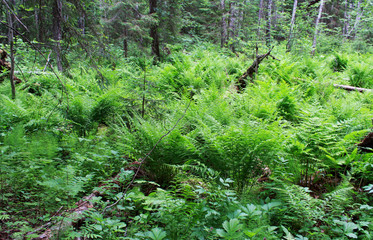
204,180
339,63
361,75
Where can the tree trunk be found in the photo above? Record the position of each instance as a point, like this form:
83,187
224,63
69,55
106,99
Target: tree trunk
223,39
316,27
290,39
269,23
260,16
232,25
154,31
11,43
57,31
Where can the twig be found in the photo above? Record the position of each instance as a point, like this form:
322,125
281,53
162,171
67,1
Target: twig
143,160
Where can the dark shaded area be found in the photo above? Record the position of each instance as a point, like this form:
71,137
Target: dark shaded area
366,145
6,66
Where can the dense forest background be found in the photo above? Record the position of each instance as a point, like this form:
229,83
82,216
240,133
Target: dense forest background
144,27
172,119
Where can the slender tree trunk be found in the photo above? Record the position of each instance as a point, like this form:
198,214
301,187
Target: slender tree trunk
290,39
260,16
232,24
154,31
269,23
57,31
11,43
223,39
316,27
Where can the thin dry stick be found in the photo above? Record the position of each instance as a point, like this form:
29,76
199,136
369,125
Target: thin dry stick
143,160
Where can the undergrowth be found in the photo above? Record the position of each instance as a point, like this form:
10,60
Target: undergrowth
277,161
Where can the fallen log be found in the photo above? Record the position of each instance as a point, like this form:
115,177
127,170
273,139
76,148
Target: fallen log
241,82
351,88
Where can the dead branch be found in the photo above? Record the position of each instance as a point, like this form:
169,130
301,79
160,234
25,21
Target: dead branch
241,82
351,88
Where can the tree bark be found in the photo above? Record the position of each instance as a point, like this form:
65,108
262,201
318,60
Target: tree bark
269,23
316,27
260,16
290,39
154,31
223,38
57,31
232,24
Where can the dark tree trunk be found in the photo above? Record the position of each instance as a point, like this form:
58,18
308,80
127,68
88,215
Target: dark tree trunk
57,31
154,31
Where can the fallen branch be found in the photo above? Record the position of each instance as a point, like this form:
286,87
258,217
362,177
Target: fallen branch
241,82
351,88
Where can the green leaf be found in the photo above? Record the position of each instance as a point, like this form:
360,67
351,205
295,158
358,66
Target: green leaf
288,235
156,234
351,235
